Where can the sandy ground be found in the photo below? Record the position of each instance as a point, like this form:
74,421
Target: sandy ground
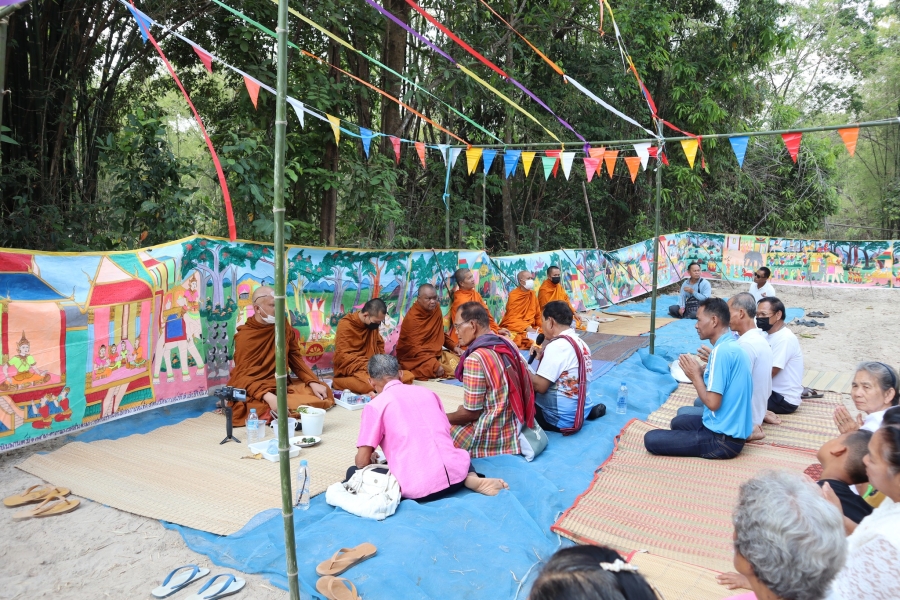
100,552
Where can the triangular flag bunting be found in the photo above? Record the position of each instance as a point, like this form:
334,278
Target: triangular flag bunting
510,162
488,156
444,149
366,135
633,162
652,151
143,25
335,127
609,157
298,108
205,58
739,145
598,152
420,149
850,135
454,154
664,159
690,150
549,163
396,143
792,141
590,167
566,159
527,159
643,151
252,89
473,155
554,154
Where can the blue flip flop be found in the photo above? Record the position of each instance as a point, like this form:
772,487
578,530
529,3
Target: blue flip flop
231,586
175,583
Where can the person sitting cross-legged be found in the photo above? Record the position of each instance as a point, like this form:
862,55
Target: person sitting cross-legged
423,347
693,291
760,287
787,360
725,388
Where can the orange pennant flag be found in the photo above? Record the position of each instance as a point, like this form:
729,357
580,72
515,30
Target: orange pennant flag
634,163
420,148
527,159
610,159
850,135
690,150
252,89
597,152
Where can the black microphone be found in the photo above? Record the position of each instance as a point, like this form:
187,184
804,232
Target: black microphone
538,341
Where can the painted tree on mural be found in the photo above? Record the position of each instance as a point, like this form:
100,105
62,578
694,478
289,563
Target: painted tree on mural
396,264
334,268
301,272
216,261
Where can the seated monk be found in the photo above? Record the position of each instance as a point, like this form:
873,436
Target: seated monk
465,281
356,341
254,365
523,315
420,347
552,290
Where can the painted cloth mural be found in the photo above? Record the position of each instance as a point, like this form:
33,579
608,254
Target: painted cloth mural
87,337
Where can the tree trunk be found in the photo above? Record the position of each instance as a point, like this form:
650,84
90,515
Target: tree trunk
394,56
328,217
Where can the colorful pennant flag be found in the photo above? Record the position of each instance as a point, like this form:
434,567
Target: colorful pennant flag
205,58
444,149
590,167
609,158
566,159
298,108
420,149
527,159
633,162
366,135
664,158
792,142
396,143
549,163
739,145
473,155
643,151
690,150
488,155
652,151
598,152
850,135
252,89
510,162
143,25
335,127
454,154
554,154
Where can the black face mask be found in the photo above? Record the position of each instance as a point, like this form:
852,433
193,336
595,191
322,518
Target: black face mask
373,325
763,323
555,279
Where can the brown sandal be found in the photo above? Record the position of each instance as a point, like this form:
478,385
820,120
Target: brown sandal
35,493
345,558
336,588
46,509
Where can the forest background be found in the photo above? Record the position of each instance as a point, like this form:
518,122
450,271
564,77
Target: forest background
99,150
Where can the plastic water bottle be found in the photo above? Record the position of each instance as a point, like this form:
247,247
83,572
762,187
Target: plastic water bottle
622,400
302,486
348,397
252,427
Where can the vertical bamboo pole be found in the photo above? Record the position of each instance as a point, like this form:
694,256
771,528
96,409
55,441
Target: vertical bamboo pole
659,151
484,212
287,504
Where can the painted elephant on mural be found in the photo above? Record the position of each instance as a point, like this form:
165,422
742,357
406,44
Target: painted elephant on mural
753,259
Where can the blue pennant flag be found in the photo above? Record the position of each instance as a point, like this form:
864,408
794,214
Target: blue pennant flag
739,145
142,22
488,156
511,161
366,135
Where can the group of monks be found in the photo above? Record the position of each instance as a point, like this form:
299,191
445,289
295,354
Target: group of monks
425,350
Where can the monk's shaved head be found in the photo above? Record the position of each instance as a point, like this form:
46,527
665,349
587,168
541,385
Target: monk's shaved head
524,276
426,287
264,303
261,291
375,308
428,297
464,279
550,270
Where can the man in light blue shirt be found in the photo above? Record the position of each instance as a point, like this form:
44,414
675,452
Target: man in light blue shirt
725,388
693,291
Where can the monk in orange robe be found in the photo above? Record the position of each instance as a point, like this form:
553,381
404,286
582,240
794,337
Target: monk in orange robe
552,289
420,347
523,315
254,365
465,281
356,341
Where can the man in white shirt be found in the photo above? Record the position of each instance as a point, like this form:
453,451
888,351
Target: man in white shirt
760,287
787,359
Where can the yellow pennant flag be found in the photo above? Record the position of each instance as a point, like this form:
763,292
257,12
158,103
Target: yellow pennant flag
690,150
473,155
527,159
336,127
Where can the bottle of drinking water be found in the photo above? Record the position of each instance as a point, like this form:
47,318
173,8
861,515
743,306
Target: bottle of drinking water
622,400
302,486
348,397
252,427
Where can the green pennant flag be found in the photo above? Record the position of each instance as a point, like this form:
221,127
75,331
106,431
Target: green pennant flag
549,162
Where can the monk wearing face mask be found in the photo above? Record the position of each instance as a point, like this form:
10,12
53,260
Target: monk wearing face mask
552,290
523,314
254,365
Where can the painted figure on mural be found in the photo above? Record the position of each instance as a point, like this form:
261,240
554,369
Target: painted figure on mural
136,355
193,327
26,374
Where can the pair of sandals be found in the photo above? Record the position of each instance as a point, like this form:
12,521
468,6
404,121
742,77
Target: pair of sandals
809,323
52,500
181,577
339,588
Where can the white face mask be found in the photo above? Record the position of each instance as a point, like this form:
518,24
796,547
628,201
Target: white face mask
267,319
529,285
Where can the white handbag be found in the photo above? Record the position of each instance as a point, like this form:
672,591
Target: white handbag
366,494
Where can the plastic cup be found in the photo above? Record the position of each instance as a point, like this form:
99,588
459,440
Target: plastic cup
313,420
593,326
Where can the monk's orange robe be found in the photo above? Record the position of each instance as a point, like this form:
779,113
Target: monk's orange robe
522,312
460,297
550,292
421,340
254,371
354,345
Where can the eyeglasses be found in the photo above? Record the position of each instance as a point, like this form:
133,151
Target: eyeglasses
456,326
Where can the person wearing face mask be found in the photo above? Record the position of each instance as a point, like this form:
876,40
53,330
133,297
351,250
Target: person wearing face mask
787,360
874,391
693,291
523,314
552,290
254,365
423,347
356,341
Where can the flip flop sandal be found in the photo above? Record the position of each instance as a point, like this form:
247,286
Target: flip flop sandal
337,588
231,586
810,393
174,583
35,493
817,314
49,508
345,558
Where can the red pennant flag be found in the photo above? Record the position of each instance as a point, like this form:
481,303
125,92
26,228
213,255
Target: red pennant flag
590,167
610,159
634,163
665,159
792,142
554,154
652,150
205,58
252,89
420,148
850,135
396,143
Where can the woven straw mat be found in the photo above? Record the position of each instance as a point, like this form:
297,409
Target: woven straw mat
677,508
833,381
632,326
679,581
180,473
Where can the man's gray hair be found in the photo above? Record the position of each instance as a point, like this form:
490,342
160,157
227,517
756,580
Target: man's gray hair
383,365
745,301
792,537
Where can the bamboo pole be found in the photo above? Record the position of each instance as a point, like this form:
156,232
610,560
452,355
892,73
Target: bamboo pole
287,504
587,205
659,152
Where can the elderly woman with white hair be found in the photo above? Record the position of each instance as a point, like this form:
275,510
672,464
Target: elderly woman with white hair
788,539
874,390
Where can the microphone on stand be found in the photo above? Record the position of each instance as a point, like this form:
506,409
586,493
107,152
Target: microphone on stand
538,341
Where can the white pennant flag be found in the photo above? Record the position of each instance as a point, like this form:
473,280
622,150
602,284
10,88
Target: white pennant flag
454,154
298,108
566,159
643,150
443,148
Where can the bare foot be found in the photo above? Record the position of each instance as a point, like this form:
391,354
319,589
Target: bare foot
733,581
485,485
771,418
757,434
